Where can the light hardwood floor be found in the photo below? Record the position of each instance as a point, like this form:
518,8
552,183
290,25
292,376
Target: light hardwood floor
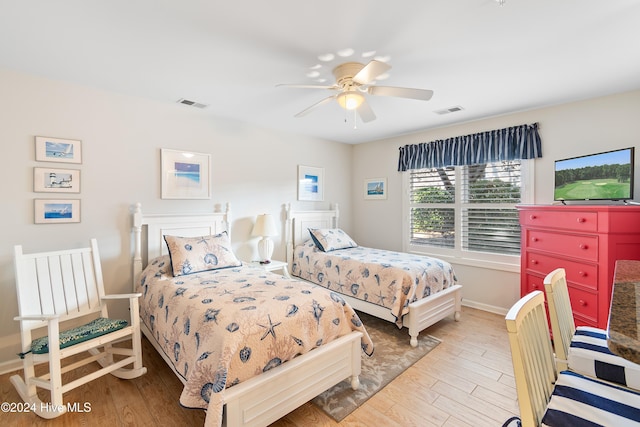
467,380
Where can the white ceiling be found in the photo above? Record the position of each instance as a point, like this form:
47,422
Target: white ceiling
488,59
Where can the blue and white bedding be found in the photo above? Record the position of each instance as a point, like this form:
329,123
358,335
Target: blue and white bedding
224,326
385,278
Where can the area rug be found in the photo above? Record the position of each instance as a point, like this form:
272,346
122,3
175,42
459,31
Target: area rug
392,355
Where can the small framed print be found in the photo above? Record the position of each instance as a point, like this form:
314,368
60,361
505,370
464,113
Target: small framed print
51,180
56,211
185,175
375,188
58,150
310,183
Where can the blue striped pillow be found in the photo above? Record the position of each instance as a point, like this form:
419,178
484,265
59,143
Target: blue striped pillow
589,355
582,401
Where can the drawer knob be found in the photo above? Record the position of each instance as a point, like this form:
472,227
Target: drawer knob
582,273
582,303
534,262
581,219
535,239
584,246
533,217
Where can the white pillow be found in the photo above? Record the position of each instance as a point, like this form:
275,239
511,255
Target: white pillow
331,239
195,254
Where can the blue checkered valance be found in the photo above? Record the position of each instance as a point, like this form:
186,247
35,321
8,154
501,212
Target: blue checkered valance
512,143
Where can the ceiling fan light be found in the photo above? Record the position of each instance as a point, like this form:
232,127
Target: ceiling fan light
350,100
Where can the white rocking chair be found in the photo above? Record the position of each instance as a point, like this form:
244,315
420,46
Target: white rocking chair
56,287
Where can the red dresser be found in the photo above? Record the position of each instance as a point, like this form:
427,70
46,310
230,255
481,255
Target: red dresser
586,241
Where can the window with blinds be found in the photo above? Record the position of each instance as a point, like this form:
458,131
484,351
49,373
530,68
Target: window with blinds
471,208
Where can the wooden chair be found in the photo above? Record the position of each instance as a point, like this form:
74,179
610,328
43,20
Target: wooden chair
549,398
583,349
61,287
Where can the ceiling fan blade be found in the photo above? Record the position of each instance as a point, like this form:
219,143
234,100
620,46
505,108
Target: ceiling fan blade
401,92
296,86
370,71
314,106
365,112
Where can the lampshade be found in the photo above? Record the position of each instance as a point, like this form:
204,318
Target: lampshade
265,226
350,100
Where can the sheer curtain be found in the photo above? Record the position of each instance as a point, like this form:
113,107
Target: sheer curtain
512,143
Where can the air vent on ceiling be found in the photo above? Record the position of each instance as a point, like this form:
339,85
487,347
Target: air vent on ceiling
192,103
449,110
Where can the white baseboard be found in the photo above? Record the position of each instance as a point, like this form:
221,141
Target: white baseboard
485,307
10,366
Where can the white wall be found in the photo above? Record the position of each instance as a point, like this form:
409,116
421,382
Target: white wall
254,169
566,131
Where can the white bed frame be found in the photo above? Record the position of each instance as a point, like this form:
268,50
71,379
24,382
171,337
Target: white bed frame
422,313
269,396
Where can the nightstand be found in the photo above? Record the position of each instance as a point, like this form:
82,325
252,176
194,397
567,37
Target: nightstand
274,266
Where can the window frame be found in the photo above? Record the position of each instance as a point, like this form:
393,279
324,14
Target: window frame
458,255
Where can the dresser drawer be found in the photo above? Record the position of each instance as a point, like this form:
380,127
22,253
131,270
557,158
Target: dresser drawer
533,283
566,220
583,274
584,306
571,245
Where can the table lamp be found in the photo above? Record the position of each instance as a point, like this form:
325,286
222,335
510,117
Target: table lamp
265,227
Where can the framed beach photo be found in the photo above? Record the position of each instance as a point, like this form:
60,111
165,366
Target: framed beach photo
52,180
185,175
56,211
375,188
310,183
58,150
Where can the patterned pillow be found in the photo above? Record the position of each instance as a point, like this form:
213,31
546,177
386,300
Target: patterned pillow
194,254
330,239
96,328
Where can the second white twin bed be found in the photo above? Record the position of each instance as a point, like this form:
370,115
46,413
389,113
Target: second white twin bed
410,290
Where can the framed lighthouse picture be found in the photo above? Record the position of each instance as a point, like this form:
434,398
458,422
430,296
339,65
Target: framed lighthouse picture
54,180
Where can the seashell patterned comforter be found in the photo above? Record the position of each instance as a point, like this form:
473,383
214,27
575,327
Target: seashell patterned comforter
385,278
222,327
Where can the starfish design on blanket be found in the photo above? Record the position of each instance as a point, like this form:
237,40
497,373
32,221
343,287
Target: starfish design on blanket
269,329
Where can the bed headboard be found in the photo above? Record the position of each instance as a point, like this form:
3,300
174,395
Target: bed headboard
299,222
149,229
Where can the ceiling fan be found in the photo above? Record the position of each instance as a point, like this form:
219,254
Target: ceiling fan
353,79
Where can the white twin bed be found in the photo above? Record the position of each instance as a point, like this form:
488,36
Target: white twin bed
213,326
251,346
410,290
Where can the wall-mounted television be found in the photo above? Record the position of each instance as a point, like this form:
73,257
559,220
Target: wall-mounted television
600,176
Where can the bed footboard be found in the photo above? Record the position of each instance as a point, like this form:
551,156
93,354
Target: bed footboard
293,383
422,313
290,384
425,312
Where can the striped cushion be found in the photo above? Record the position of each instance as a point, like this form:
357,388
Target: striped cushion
589,355
581,401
